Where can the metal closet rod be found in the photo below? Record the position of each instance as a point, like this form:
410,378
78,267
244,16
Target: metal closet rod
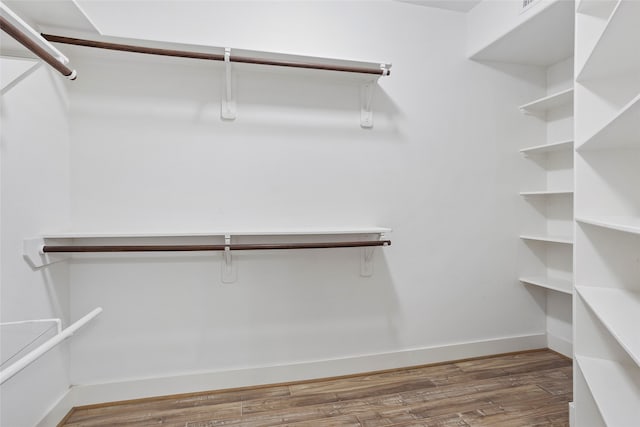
200,248
34,47
209,56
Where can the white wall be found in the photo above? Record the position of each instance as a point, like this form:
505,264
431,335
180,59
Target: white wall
35,199
149,152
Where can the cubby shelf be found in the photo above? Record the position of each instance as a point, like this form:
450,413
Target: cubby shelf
549,102
559,285
615,388
622,131
549,239
620,223
547,148
545,192
615,53
619,311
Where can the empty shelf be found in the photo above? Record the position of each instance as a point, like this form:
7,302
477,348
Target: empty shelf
549,102
615,388
544,39
559,285
545,192
619,312
615,53
622,131
619,223
551,239
208,233
548,148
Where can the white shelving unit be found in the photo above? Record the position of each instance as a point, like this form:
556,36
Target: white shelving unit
548,198
547,184
607,207
542,37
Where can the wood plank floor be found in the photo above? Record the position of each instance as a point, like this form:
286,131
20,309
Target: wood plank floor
524,389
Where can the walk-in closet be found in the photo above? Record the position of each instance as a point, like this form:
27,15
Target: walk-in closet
320,213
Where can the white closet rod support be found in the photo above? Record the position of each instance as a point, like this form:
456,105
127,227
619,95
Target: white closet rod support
48,345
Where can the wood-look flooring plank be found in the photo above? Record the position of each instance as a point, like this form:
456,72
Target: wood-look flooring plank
525,389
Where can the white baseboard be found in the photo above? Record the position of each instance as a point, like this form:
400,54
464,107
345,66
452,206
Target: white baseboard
572,414
560,345
217,380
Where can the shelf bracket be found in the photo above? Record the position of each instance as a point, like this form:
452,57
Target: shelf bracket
366,98
228,105
366,261
229,272
33,254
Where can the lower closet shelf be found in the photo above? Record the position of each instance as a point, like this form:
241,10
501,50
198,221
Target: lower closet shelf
551,239
559,285
615,388
619,312
620,223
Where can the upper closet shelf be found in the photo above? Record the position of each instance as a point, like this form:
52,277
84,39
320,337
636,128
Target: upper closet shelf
52,248
548,148
544,38
225,54
558,99
619,223
316,231
622,131
366,73
615,53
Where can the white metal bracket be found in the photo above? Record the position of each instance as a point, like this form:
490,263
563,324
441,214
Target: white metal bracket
366,258
366,98
228,104
366,261
229,272
33,254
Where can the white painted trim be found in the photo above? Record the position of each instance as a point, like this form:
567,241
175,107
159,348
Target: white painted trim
217,380
572,414
560,345
59,410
